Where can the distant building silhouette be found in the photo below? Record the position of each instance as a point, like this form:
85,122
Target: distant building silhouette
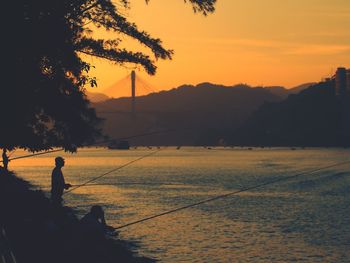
348,81
342,90
341,82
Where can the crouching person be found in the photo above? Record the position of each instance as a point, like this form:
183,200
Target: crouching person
94,223
94,236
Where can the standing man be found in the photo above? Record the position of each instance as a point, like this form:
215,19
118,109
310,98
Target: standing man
5,159
57,182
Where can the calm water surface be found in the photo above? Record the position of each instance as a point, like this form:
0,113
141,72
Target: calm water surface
306,219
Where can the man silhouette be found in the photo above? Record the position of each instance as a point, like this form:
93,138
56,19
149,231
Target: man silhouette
5,159
57,182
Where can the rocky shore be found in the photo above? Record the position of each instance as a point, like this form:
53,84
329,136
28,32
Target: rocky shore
36,232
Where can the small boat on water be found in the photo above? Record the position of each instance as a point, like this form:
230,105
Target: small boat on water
121,145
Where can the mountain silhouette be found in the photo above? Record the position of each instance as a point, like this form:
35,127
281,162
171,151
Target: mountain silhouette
284,93
96,97
314,117
301,87
197,115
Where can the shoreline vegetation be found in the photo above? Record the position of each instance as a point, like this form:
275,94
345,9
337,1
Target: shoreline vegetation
36,232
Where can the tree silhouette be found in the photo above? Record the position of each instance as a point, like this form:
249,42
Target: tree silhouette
43,101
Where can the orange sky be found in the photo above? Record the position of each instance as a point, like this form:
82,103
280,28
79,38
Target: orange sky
270,42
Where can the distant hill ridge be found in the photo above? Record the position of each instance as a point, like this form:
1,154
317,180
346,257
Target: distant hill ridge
204,96
200,114
96,97
314,117
283,92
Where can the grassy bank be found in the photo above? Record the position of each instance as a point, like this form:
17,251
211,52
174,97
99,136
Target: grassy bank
38,233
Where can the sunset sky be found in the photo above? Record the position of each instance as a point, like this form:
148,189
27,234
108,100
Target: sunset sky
270,42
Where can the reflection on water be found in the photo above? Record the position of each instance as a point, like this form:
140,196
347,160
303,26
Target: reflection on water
304,219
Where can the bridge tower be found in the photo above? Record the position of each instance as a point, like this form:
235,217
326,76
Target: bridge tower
133,91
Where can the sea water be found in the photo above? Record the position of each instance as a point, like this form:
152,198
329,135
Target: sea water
302,219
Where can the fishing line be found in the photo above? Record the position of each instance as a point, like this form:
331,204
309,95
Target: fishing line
146,134
11,153
96,143
230,194
111,171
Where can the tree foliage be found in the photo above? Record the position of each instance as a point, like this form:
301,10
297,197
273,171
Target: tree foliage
43,101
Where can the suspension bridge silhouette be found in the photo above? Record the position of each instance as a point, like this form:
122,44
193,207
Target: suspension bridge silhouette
137,85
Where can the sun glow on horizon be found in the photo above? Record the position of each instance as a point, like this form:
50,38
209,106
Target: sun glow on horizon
257,42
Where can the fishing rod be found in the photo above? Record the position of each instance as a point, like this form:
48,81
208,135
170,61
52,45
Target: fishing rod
132,183
111,171
274,181
35,154
96,143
